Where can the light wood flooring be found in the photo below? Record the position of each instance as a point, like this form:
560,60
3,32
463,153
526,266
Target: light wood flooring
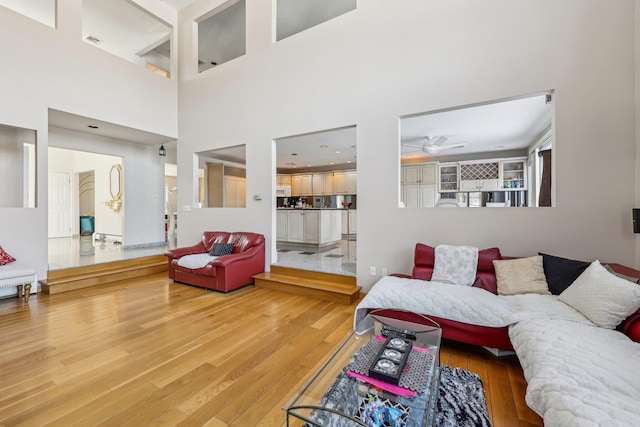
148,351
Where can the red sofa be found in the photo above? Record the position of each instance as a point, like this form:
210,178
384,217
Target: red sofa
424,259
227,272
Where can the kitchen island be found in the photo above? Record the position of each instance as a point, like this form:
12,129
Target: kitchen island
317,227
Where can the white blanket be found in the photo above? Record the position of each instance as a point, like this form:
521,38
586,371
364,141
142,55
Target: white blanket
462,303
579,375
195,261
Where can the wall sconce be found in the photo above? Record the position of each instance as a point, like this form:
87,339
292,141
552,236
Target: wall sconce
636,220
162,151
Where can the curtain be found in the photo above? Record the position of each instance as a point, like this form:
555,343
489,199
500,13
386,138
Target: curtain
544,198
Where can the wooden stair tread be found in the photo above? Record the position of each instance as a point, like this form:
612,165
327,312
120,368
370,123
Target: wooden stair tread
309,283
99,274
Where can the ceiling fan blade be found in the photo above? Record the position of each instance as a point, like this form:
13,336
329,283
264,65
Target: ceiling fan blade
452,147
439,141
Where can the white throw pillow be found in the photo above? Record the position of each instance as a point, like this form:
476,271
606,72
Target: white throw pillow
521,276
601,297
455,264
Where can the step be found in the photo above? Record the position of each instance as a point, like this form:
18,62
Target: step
70,279
329,287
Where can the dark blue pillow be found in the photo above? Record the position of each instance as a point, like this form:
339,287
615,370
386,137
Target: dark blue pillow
561,272
221,249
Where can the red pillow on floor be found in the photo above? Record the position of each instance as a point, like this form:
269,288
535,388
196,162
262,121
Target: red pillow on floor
5,258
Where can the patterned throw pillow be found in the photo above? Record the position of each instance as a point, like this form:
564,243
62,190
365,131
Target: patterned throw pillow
455,264
5,258
221,249
521,276
601,297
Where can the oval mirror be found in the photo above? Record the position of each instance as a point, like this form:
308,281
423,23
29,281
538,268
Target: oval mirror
115,181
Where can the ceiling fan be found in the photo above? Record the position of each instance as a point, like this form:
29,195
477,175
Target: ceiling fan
432,145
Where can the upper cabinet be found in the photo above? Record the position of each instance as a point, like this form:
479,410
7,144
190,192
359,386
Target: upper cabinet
514,174
448,177
282,179
480,176
345,182
301,185
323,184
419,174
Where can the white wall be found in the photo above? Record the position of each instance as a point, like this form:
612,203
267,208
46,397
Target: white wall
141,219
53,68
387,59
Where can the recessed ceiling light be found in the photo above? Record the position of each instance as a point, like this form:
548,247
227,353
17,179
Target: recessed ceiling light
294,154
337,152
308,165
324,146
348,161
92,126
331,163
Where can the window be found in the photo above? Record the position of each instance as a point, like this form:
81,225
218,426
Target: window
18,167
43,11
129,32
294,16
222,35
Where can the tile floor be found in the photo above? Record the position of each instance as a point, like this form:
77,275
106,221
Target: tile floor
340,259
69,252
81,251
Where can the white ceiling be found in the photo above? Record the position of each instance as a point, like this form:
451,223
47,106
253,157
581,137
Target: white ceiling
497,126
78,123
327,148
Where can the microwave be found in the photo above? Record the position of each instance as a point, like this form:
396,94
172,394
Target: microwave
283,191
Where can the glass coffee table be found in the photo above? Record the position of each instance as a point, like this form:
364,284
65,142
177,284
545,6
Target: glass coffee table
386,373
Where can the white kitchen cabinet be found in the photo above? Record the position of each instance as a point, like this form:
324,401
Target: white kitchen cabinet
448,177
419,196
311,226
480,176
301,185
308,226
295,226
419,174
352,182
353,222
514,174
322,184
282,225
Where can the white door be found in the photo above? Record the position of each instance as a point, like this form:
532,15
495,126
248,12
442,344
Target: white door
59,204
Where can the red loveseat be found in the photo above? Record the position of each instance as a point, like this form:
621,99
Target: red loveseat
497,337
224,273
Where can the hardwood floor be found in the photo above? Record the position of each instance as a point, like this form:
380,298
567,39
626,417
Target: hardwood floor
148,351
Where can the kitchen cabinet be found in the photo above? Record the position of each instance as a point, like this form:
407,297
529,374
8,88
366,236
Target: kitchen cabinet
448,177
318,227
349,221
295,226
235,192
345,182
282,225
419,196
514,174
322,184
419,174
301,185
480,176
283,179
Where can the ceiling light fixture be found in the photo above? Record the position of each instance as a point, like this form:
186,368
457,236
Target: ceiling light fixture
337,152
162,151
324,146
